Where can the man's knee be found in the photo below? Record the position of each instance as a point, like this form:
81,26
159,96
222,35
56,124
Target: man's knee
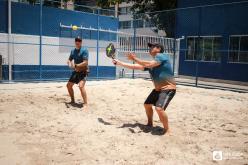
147,106
81,85
159,109
69,85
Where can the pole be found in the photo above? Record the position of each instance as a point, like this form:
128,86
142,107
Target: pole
116,9
118,49
174,44
198,52
9,41
174,55
40,54
97,45
134,40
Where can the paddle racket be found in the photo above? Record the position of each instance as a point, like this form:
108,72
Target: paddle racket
110,51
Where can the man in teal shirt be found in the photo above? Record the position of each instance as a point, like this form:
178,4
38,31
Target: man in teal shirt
78,61
162,76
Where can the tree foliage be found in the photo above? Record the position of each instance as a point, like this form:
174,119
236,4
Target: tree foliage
32,1
108,3
148,10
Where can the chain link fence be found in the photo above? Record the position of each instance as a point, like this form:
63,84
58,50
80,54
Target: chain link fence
207,43
211,41
38,46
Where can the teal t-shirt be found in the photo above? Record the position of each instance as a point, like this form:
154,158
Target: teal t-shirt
162,75
79,55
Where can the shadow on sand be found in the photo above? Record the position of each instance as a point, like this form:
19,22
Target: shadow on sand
76,105
144,128
103,122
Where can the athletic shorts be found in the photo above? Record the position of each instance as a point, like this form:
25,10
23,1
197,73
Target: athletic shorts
76,77
160,98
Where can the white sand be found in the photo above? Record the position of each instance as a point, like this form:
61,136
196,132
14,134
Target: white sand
37,127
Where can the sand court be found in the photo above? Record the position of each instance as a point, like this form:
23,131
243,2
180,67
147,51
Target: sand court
38,126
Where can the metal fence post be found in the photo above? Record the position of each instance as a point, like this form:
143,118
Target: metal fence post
10,57
174,44
97,45
198,52
134,40
40,50
174,55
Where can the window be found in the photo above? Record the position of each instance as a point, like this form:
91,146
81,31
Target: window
149,23
124,10
125,24
209,48
139,23
238,49
217,42
192,45
191,55
128,10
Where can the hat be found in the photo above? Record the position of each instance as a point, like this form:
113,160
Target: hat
78,39
156,45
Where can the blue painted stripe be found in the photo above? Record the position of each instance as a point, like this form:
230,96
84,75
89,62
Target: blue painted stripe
50,72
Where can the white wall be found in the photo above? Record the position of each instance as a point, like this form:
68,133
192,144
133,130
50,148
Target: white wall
4,47
26,50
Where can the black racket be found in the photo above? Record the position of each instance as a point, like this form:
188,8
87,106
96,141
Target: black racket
110,51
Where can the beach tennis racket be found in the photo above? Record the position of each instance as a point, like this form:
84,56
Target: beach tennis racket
110,51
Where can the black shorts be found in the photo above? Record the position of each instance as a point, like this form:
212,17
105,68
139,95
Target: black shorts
76,77
160,98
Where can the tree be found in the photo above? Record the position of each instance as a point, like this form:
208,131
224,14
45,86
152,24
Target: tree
52,3
150,11
32,1
108,3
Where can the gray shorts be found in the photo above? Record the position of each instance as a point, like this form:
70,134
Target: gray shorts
76,77
160,98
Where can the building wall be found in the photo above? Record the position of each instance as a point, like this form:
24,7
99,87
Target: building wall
57,42
222,21
3,17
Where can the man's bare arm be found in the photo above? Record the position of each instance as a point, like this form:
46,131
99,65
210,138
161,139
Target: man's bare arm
129,66
132,56
82,64
146,64
141,62
151,64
